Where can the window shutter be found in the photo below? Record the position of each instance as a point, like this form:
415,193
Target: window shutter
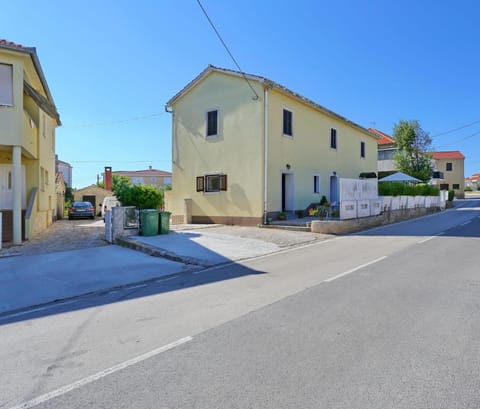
223,182
200,183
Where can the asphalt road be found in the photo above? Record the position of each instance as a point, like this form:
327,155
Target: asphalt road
388,318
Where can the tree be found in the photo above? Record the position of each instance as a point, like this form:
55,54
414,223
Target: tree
413,145
141,196
118,183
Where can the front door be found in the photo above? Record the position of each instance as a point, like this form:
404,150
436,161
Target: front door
287,192
334,189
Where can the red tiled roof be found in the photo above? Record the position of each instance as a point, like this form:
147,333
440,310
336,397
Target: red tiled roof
448,155
384,138
9,44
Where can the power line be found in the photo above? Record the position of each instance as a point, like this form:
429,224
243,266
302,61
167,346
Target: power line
460,140
456,129
226,48
120,161
119,121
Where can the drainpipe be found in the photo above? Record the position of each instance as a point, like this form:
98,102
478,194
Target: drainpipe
265,150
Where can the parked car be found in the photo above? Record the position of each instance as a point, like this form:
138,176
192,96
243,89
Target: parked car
81,209
108,203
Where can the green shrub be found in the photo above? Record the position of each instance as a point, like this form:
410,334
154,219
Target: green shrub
403,189
141,196
468,189
451,194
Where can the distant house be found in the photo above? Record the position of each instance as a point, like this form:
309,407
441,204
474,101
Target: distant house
243,152
65,169
473,181
451,164
93,194
448,166
28,118
150,177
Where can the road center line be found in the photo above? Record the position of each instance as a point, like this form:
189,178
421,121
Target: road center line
75,385
328,280
430,238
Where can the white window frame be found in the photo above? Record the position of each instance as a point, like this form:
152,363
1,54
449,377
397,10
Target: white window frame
213,109
6,85
293,122
316,183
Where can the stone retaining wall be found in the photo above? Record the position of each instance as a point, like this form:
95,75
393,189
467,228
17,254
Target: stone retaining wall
354,225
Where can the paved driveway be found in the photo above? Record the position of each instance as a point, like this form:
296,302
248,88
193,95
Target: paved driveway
63,235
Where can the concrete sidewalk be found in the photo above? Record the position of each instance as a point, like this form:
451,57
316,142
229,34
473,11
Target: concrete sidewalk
31,280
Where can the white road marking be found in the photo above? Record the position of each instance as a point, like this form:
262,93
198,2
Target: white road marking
430,238
166,279
48,307
75,385
467,222
328,280
136,286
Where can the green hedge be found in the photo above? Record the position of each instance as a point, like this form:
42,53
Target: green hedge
402,189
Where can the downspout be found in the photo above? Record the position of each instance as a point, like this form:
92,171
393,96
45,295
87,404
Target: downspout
265,150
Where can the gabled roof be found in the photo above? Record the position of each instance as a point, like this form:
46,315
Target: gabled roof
268,83
47,104
384,138
448,155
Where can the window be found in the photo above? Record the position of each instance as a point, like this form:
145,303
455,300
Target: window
316,183
449,166
153,179
456,186
6,84
362,149
212,123
42,179
167,180
287,122
137,180
333,138
9,184
444,186
212,183
46,177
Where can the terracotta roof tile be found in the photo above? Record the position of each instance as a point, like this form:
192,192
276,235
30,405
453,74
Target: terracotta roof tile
10,44
448,155
384,138
146,172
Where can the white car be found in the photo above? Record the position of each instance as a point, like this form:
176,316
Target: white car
108,203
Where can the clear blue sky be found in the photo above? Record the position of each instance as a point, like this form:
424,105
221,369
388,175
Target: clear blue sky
374,62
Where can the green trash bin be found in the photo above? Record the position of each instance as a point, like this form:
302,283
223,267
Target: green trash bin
148,222
164,222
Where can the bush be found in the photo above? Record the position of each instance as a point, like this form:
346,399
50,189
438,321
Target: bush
468,189
141,196
451,194
403,189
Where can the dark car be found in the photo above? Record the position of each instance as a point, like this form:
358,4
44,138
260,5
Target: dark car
81,209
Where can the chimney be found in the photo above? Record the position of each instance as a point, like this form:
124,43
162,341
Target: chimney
107,178
150,167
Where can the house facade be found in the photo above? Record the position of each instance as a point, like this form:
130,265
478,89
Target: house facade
448,166
65,169
451,164
93,194
28,118
151,177
245,148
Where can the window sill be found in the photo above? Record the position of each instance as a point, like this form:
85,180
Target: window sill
287,136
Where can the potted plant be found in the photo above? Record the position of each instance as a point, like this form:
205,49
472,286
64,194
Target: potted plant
282,216
299,213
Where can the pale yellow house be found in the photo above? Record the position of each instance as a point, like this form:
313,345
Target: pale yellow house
245,148
28,118
452,165
150,177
